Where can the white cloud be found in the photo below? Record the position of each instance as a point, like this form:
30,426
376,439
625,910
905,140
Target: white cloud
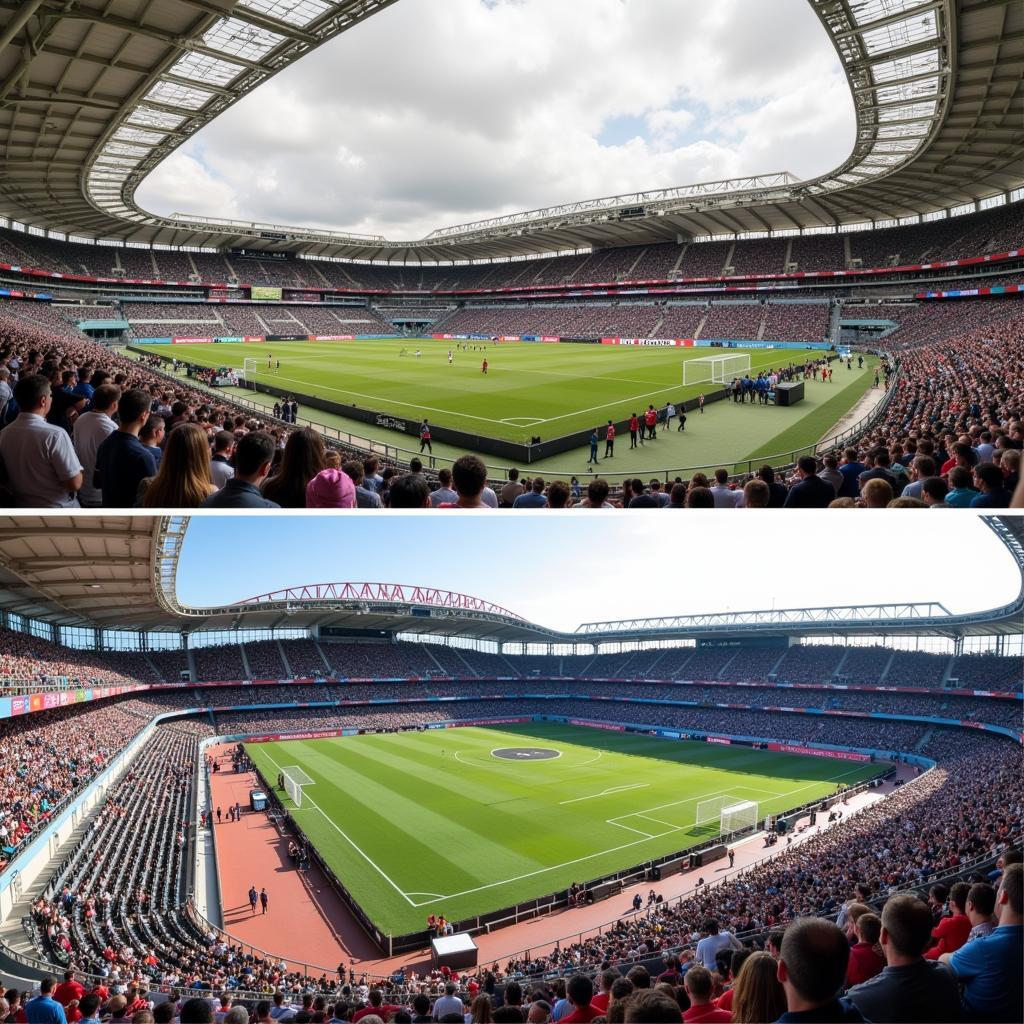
434,113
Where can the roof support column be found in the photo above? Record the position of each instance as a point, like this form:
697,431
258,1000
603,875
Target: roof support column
19,21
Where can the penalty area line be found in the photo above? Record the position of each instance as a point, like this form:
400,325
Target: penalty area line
605,792
376,867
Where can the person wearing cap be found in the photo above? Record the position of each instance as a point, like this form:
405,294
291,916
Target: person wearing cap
331,488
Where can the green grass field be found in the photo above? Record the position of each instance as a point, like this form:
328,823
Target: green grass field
530,390
434,822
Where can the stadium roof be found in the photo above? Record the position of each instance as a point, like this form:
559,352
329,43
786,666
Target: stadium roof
96,93
119,572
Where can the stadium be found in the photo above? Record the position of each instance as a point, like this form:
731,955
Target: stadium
441,798
870,316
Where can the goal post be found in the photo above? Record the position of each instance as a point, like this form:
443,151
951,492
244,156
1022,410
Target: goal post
738,817
247,377
295,779
729,813
718,369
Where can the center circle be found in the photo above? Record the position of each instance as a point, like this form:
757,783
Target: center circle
526,753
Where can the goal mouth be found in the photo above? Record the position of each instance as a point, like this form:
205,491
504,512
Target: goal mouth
717,369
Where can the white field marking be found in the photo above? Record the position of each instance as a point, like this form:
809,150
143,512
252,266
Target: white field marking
605,792
544,871
668,824
376,867
501,762
625,846
523,760
486,419
436,894
638,831
520,421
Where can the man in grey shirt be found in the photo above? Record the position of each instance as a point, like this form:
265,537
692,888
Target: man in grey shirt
444,493
910,988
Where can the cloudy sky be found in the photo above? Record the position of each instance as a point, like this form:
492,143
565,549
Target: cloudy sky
437,112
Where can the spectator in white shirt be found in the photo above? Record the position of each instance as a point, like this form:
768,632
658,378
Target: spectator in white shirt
91,429
37,457
724,496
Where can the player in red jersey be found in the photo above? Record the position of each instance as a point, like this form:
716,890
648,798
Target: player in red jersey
483,368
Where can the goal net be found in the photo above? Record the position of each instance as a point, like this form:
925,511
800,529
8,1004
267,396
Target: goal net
294,780
247,378
715,369
729,813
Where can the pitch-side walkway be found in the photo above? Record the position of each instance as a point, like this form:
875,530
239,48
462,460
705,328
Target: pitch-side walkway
307,922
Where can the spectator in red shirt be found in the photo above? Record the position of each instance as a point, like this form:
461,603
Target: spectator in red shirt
377,1007
739,957
607,979
865,960
68,989
951,932
698,984
580,990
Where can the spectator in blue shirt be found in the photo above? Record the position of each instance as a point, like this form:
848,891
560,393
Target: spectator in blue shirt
533,498
44,1009
989,480
989,967
851,470
122,460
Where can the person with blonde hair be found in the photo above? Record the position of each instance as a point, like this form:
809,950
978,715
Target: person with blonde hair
876,493
480,1011
757,995
183,479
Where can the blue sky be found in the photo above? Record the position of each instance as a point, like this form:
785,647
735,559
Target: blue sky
561,571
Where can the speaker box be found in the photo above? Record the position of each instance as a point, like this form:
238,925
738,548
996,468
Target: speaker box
789,394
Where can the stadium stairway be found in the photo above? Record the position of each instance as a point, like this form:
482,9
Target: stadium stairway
885,671
323,658
842,662
156,671
433,658
284,660
192,667
12,932
728,662
245,661
924,740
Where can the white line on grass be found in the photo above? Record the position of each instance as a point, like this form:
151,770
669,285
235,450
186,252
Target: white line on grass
605,792
647,395
376,867
614,821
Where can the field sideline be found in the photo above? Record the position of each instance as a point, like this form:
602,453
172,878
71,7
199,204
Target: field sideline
434,822
529,390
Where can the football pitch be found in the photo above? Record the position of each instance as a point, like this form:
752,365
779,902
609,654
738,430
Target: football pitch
529,389
466,821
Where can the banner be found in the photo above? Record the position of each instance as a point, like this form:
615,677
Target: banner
653,342
839,755
724,740
191,341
